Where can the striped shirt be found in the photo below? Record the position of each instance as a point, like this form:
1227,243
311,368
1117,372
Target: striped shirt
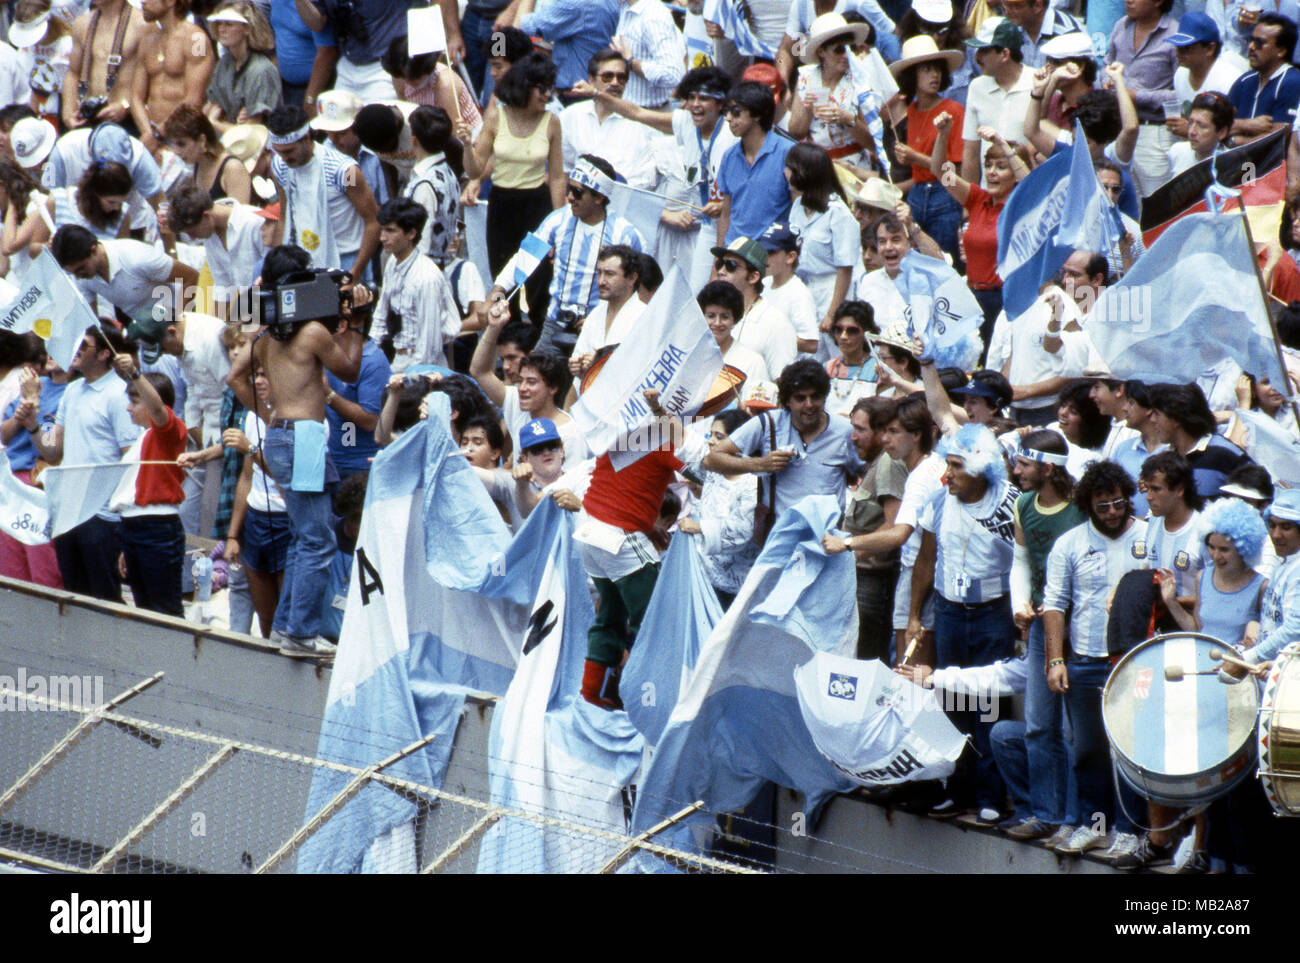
346,223
657,46
974,543
576,247
1279,616
1083,568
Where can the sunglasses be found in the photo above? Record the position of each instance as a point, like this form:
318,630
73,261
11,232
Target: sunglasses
849,329
735,111
836,48
720,264
609,76
576,192
1118,505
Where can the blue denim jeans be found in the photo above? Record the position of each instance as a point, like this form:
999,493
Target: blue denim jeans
969,636
1007,739
1089,747
306,576
476,32
1044,736
937,212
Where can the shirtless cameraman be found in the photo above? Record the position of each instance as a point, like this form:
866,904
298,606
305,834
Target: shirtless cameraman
294,448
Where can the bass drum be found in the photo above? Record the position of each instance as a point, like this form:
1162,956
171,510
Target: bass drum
1279,734
1184,742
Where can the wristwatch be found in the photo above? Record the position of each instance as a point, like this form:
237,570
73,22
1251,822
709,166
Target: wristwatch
331,396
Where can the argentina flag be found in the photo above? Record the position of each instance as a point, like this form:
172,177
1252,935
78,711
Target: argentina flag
416,639
737,724
729,15
1030,246
679,619
1191,300
941,310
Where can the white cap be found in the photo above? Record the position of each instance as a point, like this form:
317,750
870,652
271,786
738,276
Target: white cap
933,11
1068,46
32,139
336,110
27,33
228,16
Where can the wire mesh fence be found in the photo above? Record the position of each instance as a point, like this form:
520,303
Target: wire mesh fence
94,789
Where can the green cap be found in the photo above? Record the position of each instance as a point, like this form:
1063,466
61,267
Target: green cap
148,332
749,251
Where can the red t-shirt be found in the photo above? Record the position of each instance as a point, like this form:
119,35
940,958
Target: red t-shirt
1286,279
921,134
161,484
630,499
982,239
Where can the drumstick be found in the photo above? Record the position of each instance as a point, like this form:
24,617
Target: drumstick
911,647
1175,673
1232,659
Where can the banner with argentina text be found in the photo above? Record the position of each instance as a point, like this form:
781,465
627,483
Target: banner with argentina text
49,304
670,350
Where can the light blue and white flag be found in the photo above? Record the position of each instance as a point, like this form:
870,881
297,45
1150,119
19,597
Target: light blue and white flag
1272,444
49,304
1030,248
78,493
873,725
550,752
1090,221
641,208
532,252
941,311
670,350
727,15
412,647
679,619
737,724
1187,303
24,510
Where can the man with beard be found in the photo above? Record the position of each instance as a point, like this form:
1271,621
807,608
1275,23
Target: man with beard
1083,569
174,68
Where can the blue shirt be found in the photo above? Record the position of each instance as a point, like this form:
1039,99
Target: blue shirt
824,466
1129,455
96,425
295,45
365,28
760,194
22,451
576,30
1277,99
352,447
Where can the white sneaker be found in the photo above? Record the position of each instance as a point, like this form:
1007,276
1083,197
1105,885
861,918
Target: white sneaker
1060,837
1083,839
1125,844
314,648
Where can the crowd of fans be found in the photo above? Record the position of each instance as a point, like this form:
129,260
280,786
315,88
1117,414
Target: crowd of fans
169,154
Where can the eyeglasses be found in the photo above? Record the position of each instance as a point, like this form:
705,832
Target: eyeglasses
1105,508
576,192
721,264
734,111
850,329
609,76
836,48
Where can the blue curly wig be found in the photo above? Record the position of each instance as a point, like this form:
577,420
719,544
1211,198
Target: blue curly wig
1240,524
979,449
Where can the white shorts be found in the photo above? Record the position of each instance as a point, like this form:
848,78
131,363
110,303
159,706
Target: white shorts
370,82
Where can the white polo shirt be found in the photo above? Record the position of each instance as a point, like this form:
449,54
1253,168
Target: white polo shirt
988,105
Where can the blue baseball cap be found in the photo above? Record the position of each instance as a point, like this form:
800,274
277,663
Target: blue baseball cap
539,431
111,142
1286,506
1196,27
779,237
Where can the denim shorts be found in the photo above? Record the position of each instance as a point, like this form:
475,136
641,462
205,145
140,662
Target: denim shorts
266,541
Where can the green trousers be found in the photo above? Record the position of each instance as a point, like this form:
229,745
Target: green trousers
618,616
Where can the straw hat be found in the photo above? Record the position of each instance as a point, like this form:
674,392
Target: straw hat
246,141
827,27
895,335
877,192
922,48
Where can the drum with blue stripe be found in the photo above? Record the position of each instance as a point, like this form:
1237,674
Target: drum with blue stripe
1175,737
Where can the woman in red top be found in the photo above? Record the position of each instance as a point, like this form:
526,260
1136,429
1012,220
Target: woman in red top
1004,168
922,71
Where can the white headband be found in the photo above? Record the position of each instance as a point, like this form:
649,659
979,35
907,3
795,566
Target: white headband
1045,457
280,140
591,177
